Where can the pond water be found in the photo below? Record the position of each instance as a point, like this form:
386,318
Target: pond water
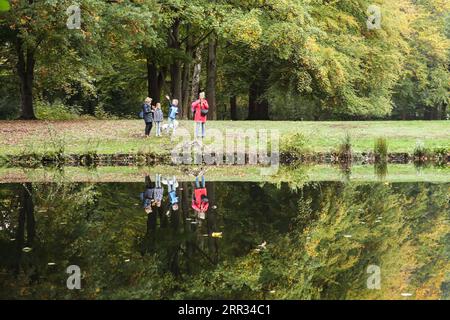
325,240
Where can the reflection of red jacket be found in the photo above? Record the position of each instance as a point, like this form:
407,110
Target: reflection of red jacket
197,107
197,203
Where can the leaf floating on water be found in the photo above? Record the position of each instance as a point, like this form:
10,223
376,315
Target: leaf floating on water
214,207
51,264
127,260
27,249
216,235
262,246
347,236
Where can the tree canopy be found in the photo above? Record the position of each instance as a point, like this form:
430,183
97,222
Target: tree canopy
256,59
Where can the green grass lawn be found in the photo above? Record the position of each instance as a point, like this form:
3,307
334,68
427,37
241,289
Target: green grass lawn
126,136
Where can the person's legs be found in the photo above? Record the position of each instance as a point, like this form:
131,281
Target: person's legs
171,124
157,128
148,182
175,182
203,129
158,181
197,184
203,182
197,129
148,128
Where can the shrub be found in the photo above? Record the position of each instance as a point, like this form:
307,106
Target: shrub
294,144
56,111
101,114
381,149
440,152
420,151
345,148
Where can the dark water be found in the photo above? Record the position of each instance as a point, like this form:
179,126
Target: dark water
327,240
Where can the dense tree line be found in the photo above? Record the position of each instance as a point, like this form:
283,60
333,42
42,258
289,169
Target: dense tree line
256,59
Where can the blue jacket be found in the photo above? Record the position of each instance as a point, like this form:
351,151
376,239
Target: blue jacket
173,197
173,111
148,113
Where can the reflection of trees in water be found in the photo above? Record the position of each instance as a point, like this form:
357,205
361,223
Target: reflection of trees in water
307,256
26,224
43,223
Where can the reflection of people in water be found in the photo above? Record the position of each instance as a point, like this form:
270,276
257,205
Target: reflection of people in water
172,185
158,192
200,201
147,196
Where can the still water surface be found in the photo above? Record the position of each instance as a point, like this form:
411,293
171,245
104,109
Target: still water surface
326,240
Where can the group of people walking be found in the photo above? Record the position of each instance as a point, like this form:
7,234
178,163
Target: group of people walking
153,115
154,193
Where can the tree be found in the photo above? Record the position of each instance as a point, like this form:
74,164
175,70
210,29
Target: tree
423,90
36,36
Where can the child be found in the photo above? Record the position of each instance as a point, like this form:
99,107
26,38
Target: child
200,201
173,198
158,118
173,111
147,112
158,191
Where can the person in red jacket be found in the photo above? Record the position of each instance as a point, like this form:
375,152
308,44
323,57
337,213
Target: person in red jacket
200,201
200,109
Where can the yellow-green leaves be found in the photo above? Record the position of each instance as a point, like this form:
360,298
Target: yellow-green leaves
4,5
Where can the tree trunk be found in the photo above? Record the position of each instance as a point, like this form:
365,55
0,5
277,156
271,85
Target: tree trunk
196,75
186,78
258,106
443,112
25,69
252,99
153,80
175,68
233,108
211,78
263,109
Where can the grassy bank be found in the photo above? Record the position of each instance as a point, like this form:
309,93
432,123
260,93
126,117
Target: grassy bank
126,136
357,173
